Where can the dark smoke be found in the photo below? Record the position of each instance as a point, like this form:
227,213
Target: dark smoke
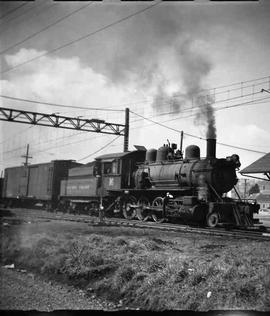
155,51
206,117
162,101
196,67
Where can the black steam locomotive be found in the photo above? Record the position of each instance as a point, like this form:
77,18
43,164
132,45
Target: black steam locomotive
155,184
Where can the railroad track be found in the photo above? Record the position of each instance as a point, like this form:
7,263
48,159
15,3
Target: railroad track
254,234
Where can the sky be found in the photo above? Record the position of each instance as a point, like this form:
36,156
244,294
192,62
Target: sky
198,66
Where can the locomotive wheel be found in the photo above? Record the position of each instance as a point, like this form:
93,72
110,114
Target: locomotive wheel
157,216
129,212
212,220
142,215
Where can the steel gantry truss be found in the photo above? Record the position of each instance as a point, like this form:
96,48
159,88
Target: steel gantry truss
59,121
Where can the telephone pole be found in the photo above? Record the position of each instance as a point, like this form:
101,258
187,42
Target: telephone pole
26,156
245,188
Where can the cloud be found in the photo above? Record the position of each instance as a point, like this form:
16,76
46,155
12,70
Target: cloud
59,80
22,56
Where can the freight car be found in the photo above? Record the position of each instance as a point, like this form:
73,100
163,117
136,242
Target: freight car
38,183
161,184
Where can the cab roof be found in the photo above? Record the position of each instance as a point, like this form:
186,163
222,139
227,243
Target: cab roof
114,155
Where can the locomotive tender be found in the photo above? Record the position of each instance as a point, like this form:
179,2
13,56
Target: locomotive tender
160,185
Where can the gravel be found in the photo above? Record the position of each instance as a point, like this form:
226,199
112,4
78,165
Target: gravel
21,290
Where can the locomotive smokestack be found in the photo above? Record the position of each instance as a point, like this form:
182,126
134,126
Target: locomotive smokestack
211,148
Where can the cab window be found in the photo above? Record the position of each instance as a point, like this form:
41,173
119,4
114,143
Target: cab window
107,167
111,167
115,168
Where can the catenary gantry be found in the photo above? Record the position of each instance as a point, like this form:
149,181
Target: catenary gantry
66,122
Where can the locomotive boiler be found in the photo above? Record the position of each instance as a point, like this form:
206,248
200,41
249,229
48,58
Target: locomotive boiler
191,188
169,170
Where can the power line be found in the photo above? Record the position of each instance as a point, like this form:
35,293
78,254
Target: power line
59,105
160,123
194,136
243,82
215,109
11,137
83,37
126,104
143,118
45,28
12,10
44,3
99,149
148,100
56,146
200,106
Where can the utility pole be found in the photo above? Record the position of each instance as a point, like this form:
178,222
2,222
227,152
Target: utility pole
26,156
245,190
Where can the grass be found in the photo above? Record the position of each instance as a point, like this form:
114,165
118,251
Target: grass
146,269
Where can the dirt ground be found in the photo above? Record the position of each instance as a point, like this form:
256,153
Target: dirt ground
22,290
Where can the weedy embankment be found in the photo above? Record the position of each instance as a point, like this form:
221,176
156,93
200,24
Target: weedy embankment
154,271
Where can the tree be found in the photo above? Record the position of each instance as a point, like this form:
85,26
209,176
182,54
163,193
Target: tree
254,189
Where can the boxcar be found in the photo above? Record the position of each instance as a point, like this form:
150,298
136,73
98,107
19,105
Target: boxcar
38,183
15,182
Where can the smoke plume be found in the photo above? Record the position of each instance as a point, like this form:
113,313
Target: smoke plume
158,55
205,116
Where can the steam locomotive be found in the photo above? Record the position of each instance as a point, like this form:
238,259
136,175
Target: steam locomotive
151,184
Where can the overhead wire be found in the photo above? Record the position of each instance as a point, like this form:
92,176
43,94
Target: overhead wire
201,106
106,145
59,105
11,137
216,109
194,108
261,100
194,136
44,3
153,122
46,28
131,103
12,10
83,37
176,130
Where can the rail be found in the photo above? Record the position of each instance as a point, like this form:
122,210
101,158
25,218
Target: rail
260,233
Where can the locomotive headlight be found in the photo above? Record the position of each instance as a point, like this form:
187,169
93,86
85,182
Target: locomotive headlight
126,192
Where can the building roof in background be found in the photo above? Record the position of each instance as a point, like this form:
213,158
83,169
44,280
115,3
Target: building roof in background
261,165
260,197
